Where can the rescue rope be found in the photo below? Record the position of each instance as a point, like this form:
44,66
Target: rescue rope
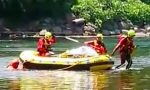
70,66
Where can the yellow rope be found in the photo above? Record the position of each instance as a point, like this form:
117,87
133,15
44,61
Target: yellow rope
70,66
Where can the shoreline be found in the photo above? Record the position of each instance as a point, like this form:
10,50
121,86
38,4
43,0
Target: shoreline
138,34
142,34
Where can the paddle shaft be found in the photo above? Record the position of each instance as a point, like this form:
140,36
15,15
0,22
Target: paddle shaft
71,39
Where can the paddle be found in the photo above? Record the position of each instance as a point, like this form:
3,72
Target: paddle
71,39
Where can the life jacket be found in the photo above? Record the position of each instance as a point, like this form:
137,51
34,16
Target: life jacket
42,43
120,37
99,47
46,43
52,40
126,43
42,46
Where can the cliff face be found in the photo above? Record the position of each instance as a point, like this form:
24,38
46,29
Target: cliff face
70,25
64,26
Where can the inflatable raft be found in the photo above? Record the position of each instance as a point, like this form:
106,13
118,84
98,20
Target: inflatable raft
66,61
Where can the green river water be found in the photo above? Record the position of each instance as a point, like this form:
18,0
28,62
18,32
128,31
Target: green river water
136,79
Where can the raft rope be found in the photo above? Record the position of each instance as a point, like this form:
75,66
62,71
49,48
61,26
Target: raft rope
70,66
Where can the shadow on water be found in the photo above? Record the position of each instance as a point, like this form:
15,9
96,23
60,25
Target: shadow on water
137,79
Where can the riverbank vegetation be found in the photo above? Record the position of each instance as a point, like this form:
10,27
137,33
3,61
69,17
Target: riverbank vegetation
102,13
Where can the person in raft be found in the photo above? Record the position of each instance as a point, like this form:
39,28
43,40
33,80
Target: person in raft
126,47
97,44
44,44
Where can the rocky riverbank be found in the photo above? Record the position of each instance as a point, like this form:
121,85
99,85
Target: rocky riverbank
36,35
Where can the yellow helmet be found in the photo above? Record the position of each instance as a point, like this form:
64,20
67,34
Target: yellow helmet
99,35
48,34
131,33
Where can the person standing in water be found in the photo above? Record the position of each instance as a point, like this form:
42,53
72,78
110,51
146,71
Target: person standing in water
126,47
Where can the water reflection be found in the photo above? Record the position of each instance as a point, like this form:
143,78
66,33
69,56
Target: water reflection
59,80
13,84
76,80
125,81
100,80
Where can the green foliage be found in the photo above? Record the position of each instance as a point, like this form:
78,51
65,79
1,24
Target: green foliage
94,11
137,11
91,10
99,11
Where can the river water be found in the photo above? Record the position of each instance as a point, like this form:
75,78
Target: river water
137,78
